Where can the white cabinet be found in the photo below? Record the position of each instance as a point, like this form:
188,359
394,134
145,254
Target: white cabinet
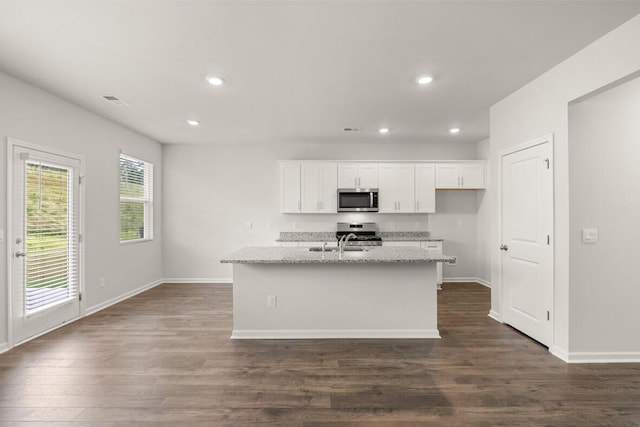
397,187
435,248
308,187
318,186
468,175
290,187
357,175
425,187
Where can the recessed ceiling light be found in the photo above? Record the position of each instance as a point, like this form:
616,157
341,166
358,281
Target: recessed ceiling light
454,130
215,80
193,122
384,130
424,80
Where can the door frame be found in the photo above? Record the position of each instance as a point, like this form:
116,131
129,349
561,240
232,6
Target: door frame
549,138
11,143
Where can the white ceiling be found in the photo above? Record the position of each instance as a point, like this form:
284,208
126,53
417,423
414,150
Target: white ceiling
296,71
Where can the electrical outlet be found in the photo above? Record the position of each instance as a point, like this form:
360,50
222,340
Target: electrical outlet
272,301
102,282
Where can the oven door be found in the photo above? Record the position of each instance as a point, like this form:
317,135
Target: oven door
358,200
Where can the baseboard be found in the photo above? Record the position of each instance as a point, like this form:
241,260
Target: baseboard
274,334
604,357
466,280
495,316
559,353
4,347
223,280
120,298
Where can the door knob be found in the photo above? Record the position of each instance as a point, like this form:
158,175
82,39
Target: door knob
20,254
504,247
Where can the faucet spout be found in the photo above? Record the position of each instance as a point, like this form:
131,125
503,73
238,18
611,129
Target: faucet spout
344,240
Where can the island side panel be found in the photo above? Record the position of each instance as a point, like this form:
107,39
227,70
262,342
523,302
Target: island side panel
372,300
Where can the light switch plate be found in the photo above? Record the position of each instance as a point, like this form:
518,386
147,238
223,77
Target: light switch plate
589,235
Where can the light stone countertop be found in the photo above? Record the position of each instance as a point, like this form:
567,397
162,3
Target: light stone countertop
298,255
330,236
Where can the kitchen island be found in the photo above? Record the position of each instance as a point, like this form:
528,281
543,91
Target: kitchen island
294,292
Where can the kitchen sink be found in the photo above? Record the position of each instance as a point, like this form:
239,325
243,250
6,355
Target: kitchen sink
336,249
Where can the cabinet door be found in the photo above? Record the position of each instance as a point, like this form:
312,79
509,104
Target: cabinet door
425,188
318,187
405,188
310,188
348,175
471,175
447,176
368,175
290,187
387,197
328,179
436,249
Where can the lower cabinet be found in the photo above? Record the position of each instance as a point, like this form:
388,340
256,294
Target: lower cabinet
434,247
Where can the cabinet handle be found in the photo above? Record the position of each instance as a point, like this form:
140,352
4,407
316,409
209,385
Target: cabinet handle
462,181
418,205
321,206
298,205
398,205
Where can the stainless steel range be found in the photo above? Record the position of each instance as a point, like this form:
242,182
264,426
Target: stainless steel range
365,233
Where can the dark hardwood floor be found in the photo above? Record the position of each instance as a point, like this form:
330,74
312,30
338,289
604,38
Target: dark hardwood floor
164,358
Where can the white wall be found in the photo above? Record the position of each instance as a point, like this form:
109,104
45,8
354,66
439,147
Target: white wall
541,108
483,220
604,175
34,116
211,192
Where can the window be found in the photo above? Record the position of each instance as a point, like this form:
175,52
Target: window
136,199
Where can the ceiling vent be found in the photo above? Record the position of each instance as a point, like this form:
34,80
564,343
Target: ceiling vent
115,100
351,130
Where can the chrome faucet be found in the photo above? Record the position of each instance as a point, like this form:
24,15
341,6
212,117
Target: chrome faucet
344,240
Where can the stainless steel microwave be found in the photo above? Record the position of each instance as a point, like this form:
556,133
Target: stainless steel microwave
357,200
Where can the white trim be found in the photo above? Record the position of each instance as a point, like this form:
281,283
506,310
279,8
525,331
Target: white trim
495,316
559,353
94,309
4,347
225,280
466,280
270,334
604,357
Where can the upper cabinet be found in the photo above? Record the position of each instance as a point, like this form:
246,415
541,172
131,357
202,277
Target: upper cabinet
468,175
404,187
290,187
397,187
425,187
319,187
357,175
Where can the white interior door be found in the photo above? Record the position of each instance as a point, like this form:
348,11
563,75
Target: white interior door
527,245
45,255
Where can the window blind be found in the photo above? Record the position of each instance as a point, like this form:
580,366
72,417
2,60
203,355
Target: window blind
51,235
136,199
